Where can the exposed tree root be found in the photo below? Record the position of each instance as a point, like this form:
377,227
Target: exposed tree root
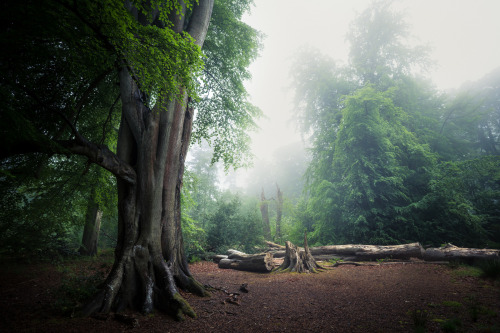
144,282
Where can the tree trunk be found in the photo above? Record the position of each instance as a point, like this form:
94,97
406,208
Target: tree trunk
279,212
262,262
150,264
363,252
91,230
453,253
264,209
298,260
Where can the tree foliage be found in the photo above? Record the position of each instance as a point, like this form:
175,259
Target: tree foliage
390,155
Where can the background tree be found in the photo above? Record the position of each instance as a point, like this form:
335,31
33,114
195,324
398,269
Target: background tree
264,210
279,212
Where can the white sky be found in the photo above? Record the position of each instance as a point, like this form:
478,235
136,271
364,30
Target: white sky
464,36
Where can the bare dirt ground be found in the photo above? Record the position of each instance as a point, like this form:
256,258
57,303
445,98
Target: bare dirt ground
385,298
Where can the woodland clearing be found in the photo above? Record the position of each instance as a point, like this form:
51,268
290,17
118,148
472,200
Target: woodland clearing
384,298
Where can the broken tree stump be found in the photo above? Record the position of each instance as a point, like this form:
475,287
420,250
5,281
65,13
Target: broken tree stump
297,260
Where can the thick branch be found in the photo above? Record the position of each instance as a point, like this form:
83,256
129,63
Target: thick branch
102,156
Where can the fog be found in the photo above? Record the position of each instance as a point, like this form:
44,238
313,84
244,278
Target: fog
463,36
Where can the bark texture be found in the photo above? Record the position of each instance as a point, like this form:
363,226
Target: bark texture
451,252
357,252
298,260
150,264
262,262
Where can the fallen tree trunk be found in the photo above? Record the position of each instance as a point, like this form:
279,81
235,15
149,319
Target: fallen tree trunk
274,247
262,262
218,257
361,252
451,252
235,254
354,263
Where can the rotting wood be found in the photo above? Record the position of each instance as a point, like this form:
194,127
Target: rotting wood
262,262
218,257
451,252
235,254
273,246
359,252
354,263
353,254
300,261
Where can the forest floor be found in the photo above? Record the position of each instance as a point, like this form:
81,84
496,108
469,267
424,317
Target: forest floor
39,297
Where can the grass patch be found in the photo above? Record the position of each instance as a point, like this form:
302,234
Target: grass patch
465,270
333,261
452,304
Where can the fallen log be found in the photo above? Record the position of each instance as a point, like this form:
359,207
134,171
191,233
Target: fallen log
262,262
231,253
273,246
218,257
451,252
354,263
354,252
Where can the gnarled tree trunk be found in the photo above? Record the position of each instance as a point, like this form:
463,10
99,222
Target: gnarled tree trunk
150,264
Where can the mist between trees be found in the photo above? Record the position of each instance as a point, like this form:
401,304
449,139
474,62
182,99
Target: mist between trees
389,158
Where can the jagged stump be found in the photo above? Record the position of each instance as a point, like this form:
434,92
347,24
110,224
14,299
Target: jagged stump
298,261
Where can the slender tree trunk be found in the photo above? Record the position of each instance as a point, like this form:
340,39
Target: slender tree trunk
264,209
150,264
279,212
91,229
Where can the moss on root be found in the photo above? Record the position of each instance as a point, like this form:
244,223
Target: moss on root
197,288
182,308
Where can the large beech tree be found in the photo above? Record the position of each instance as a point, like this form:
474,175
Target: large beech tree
58,59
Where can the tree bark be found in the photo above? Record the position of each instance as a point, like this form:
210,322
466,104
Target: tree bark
363,252
279,213
352,252
91,230
150,264
262,262
453,253
264,209
298,260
